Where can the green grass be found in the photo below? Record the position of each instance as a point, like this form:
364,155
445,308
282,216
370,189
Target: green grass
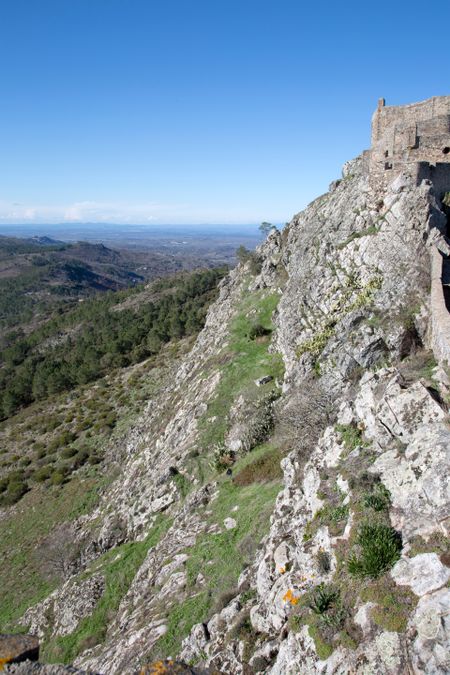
379,549
394,604
248,360
351,436
220,558
22,583
119,566
373,229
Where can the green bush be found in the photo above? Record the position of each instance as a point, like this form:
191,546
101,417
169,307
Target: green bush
379,549
322,598
42,474
78,460
69,452
379,499
258,330
13,487
58,477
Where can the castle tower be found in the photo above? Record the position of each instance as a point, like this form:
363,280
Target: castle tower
413,138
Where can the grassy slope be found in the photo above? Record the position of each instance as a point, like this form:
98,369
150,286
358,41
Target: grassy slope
119,566
245,360
22,583
220,558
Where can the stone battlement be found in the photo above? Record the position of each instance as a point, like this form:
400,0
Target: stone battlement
408,137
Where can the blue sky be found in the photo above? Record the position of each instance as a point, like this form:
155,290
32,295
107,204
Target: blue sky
195,111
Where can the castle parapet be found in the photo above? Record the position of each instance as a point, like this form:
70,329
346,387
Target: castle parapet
403,136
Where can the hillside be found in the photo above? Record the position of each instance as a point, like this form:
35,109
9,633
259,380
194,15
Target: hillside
39,275
279,502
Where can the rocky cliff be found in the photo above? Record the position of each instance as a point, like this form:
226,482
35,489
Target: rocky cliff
316,358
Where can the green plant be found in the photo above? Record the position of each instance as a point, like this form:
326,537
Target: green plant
379,549
14,488
322,597
332,514
323,561
379,499
323,648
351,435
223,458
258,330
393,604
334,618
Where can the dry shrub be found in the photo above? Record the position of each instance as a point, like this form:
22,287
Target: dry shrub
265,468
58,553
301,421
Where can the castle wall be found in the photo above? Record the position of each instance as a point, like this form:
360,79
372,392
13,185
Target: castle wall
405,135
440,317
415,139
386,117
438,174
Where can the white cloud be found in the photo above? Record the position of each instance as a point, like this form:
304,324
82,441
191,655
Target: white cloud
87,211
128,213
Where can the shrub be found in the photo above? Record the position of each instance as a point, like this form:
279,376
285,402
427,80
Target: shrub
58,477
380,547
307,413
94,458
79,459
223,458
42,474
322,598
69,452
16,487
258,330
379,499
263,468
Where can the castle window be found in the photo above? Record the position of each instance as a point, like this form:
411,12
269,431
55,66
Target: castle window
386,153
445,150
387,165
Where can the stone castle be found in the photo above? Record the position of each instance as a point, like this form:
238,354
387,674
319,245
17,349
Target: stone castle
413,138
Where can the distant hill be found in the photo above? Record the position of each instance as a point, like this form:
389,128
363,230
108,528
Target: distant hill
37,273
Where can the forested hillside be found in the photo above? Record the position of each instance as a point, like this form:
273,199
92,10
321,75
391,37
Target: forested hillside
54,416
38,275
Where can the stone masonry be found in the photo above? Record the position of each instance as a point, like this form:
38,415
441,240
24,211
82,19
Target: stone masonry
415,138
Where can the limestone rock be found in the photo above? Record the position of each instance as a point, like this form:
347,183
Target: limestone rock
66,607
423,574
431,620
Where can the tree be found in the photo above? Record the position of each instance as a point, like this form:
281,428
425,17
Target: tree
266,227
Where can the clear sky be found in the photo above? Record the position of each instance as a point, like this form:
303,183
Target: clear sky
199,111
